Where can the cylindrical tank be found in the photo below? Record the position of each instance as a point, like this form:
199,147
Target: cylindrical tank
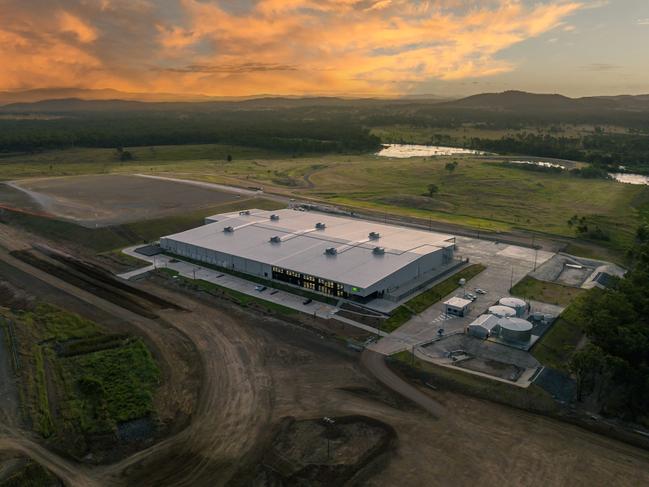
502,311
515,330
518,304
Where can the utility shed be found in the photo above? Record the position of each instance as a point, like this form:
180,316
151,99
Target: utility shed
457,306
483,326
332,255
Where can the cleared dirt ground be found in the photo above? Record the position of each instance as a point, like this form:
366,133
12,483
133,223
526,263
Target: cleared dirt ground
252,371
113,199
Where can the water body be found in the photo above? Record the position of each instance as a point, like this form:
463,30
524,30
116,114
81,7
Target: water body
630,178
403,151
539,163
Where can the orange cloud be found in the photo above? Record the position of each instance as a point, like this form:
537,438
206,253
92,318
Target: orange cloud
272,46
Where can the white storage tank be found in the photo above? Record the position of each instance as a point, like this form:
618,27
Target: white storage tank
502,311
515,330
518,304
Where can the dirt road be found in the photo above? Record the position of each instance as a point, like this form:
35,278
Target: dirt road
375,363
255,370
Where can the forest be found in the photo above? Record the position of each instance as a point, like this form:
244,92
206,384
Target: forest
613,368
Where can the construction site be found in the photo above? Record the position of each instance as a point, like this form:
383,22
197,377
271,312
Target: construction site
255,377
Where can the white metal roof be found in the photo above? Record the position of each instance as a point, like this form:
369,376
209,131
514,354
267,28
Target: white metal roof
302,247
488,322
458,302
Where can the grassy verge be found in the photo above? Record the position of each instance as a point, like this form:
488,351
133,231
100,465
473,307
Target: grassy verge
546,292
555,348
423,301
240,298
532,398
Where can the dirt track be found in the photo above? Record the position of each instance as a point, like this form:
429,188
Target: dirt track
257,371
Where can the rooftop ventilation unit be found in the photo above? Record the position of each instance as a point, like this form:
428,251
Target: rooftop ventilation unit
228,230
275,239
374,235
378,251
244,212
331,251
320,226
274,217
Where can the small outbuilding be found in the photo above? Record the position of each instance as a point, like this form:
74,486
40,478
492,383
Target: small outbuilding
483,326
457,306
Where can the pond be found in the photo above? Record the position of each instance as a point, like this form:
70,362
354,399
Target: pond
403,151
630,178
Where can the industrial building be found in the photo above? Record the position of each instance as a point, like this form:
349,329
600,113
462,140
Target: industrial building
332,255
457,306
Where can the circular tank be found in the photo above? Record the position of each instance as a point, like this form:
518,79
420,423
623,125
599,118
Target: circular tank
502,311
515,330
518,304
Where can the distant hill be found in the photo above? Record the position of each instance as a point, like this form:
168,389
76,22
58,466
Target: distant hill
508,102
32,96
520,100
68,105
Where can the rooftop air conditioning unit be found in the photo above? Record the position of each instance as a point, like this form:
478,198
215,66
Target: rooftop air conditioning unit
378,251
374,235
228,230
274,217
275,239
331,251
320,226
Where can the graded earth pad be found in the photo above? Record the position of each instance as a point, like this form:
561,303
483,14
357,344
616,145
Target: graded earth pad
102,200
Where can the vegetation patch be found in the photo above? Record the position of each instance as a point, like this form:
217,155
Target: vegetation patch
546,292
555,348
78,382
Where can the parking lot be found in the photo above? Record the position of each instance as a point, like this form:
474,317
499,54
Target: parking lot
506,265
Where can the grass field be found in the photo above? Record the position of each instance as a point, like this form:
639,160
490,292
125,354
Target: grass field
546,292
480,193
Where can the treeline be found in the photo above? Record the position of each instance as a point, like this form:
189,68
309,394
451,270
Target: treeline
613,368
604,150
260,130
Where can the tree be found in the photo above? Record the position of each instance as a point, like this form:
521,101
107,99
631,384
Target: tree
432,189
450,167
229,158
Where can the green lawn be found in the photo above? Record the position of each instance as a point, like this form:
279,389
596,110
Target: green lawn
425,300
546,292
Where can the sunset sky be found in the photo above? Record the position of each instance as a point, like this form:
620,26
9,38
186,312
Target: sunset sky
326,47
